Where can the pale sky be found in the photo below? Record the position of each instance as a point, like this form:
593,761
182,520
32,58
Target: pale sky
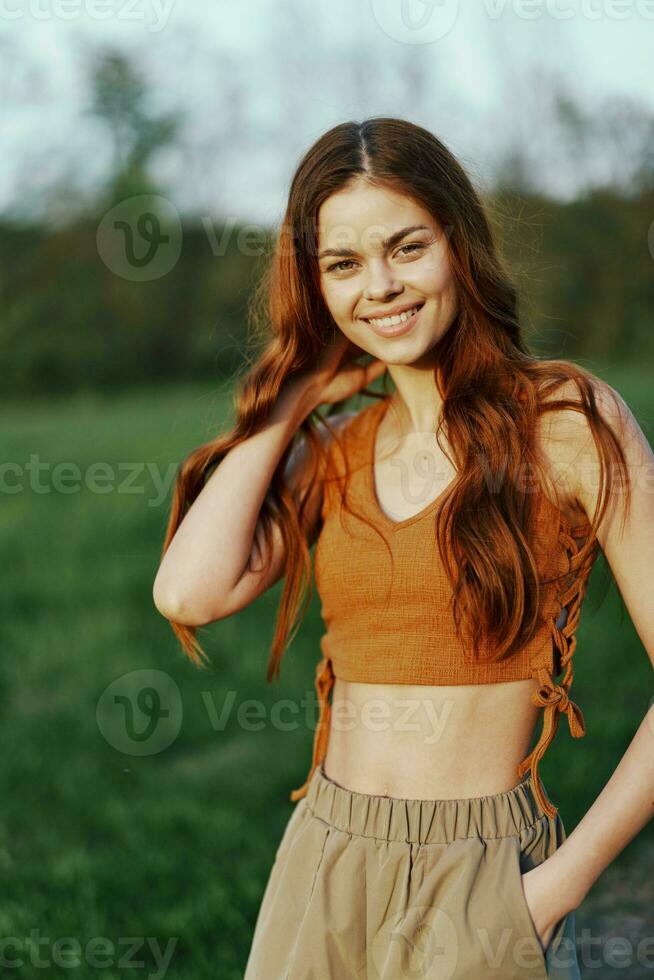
259,80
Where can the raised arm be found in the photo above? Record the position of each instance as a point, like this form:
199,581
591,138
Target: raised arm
216,563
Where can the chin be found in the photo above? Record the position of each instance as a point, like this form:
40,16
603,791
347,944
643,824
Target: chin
411,352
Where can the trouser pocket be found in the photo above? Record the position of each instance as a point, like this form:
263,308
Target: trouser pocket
527,947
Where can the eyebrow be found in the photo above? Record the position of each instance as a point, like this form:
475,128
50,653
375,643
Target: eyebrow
386,243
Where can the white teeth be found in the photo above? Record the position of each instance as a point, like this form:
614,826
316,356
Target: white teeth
391,321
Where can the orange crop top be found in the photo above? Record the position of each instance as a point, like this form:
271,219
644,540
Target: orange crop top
393,622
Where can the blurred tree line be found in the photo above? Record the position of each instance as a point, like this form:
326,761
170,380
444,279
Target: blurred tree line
72,318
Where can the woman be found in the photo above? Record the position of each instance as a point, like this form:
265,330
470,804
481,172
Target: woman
453,548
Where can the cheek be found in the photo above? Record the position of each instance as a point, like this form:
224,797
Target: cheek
433,274
340,299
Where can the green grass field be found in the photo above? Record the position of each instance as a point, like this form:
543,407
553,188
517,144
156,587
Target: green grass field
119,850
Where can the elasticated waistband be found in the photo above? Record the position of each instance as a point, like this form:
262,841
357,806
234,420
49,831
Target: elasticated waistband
392,818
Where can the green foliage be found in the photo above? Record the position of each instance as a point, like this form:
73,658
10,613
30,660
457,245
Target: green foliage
120,100
70,322
584,272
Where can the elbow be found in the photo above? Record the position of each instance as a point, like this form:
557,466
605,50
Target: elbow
169,607
177,609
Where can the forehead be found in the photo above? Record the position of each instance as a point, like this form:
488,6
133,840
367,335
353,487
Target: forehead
364,214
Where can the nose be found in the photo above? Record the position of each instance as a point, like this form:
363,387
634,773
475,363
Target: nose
381,283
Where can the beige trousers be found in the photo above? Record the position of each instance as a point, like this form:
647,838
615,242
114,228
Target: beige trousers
370,887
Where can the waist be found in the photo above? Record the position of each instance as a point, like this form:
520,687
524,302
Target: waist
422,741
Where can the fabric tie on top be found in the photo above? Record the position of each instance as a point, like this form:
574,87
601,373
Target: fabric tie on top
554,698
324,682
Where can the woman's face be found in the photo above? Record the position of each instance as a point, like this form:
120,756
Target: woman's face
391,256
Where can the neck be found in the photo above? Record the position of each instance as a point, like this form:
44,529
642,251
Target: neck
417,401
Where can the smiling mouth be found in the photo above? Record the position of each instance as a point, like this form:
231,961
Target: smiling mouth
394,321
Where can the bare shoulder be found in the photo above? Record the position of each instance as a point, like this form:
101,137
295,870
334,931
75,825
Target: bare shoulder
568,445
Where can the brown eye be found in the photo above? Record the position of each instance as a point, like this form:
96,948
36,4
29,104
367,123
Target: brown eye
412,245
338,265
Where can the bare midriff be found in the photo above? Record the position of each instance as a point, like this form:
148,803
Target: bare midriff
429,742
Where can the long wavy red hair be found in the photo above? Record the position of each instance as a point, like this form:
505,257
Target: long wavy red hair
493,388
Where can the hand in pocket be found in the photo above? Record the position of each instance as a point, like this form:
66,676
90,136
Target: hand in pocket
542,892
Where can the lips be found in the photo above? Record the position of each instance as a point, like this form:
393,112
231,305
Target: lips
396,312
397,328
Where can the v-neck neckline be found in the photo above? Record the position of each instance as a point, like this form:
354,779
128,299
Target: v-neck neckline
377,412
376,417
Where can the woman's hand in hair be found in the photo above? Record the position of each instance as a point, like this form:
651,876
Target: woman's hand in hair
337,374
